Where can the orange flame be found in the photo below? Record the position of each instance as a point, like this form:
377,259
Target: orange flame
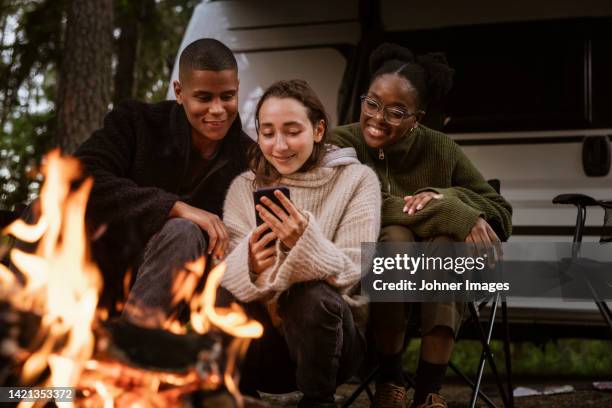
204,314
62,285
61,282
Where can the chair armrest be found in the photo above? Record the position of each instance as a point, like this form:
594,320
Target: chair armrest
579,200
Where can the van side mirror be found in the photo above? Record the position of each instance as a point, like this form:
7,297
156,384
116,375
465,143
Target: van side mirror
596,156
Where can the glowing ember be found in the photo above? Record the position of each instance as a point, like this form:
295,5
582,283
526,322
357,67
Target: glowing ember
61,285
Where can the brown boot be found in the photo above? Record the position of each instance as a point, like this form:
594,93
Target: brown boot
389,395
433,401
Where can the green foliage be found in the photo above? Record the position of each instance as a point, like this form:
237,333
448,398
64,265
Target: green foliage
161,39
574,357
31,49
162,24
28,65
20,152
33,52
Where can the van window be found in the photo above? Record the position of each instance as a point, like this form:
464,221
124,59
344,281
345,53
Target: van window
527,76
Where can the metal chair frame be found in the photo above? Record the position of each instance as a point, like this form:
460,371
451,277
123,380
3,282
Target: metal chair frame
581,202
485,335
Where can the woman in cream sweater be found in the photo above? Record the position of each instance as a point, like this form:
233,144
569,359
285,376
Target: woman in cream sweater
300,286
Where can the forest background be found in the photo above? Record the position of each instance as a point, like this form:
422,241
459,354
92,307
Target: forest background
65,63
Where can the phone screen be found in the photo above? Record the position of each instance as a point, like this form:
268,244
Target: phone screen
268,192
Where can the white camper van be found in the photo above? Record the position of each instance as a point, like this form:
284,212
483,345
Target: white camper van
532,101
529,93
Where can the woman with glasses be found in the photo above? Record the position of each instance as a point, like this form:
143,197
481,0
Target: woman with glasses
431,193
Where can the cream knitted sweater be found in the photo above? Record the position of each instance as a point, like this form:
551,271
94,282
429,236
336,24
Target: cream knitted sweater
342,204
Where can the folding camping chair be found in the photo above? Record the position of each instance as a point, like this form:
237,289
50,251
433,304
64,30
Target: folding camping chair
581,202
485,335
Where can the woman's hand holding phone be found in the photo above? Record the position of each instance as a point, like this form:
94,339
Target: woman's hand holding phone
288,224
261,257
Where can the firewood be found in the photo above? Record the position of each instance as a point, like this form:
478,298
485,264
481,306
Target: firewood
158,349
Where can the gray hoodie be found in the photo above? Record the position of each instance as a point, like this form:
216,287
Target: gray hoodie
339,156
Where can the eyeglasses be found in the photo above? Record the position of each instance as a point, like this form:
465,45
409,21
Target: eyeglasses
393,116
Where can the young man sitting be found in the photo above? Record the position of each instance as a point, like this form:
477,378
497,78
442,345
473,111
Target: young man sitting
161,172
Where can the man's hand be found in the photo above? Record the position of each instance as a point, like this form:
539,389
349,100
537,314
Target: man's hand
417,202
260,257
288,225
484,240
209,222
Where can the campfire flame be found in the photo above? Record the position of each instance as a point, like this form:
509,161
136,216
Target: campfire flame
61,284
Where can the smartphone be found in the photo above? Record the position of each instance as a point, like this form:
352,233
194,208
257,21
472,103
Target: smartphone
269,192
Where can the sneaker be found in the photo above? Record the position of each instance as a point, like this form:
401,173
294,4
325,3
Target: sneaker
433,401
389,395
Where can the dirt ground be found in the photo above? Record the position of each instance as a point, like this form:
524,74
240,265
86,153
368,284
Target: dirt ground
458,395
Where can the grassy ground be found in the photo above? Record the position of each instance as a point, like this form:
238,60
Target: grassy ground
572,357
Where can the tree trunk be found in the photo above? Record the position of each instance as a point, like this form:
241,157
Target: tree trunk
130,20
129,23
86,71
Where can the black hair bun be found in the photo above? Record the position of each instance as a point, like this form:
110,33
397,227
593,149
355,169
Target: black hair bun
439,74
387,52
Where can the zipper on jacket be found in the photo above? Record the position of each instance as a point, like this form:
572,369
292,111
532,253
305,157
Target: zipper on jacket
381,156
387,171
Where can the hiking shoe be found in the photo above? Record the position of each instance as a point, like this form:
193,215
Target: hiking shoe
433,401
389,395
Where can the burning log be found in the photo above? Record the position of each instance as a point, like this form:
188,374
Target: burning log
131,363
159,349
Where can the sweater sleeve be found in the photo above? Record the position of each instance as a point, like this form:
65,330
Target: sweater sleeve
108,156
471,189
447,216
336,261
237,277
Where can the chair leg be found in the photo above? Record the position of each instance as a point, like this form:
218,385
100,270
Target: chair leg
409,380
369,392
465,378
487,355
507,354
364,386
481,364
601,304
605,312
